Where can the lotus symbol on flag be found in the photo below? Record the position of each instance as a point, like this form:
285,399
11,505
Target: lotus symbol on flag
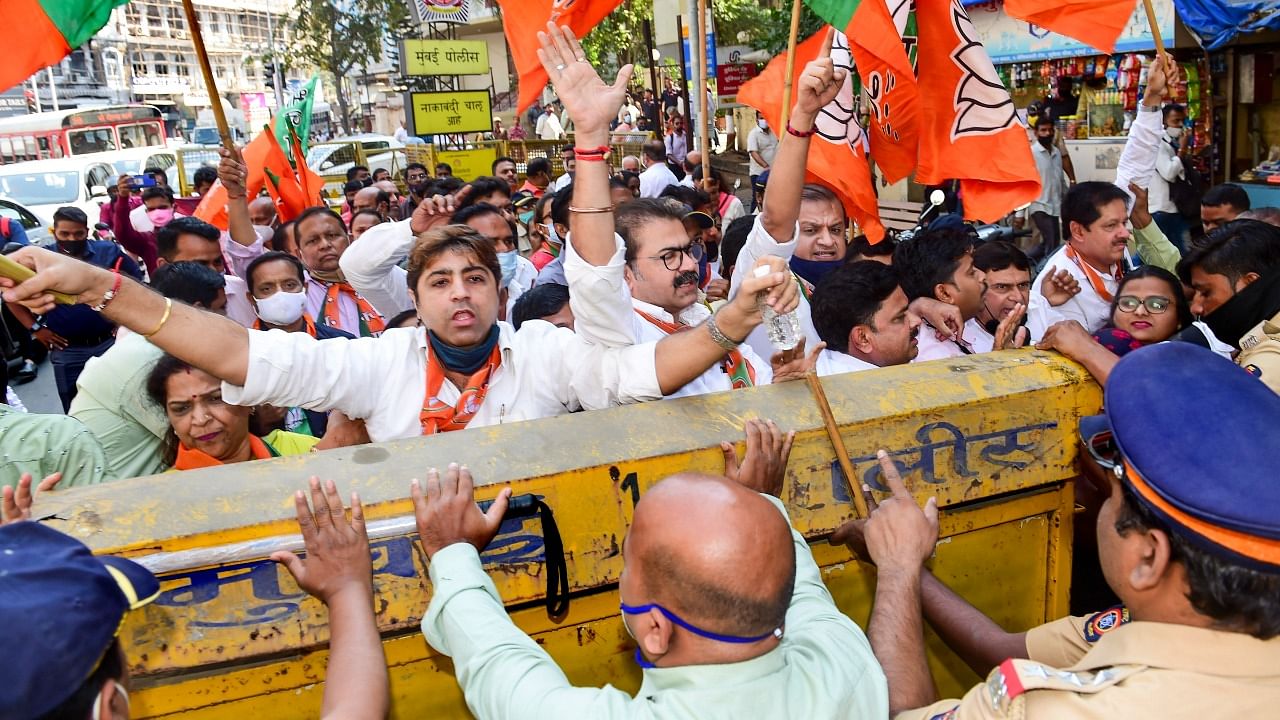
983,106
838,121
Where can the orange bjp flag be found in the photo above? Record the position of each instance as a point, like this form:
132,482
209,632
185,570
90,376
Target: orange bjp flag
881,36
838,152
282,182
213,206
521,21
969,130
1097,23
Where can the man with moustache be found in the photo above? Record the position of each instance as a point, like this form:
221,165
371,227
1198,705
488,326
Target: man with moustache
1006,272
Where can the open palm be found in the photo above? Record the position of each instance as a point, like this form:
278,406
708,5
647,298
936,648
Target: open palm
590,101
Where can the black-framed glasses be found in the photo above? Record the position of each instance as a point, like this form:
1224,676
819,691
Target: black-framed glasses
1155,304
672,257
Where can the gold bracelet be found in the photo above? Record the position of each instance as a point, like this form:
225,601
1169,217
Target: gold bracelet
168,308
590,210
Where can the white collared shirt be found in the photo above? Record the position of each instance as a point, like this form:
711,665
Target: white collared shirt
1087,308
761,244
976,340
655,179
834,362
716,379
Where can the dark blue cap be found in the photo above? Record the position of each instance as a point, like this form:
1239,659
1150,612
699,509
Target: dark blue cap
761,180
62,606
1196,436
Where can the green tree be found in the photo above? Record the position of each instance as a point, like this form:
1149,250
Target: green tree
619,38
340,35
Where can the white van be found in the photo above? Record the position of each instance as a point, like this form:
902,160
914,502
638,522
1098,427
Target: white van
46,185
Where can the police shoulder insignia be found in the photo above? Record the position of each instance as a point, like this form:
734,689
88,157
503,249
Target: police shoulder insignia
1253,370
948,715
1104,622
1003,685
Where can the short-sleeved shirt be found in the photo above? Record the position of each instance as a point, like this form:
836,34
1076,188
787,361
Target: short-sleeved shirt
1104,666
763,142
1260,352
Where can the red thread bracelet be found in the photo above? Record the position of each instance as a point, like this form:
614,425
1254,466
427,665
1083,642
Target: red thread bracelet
591,152
799,134
109,295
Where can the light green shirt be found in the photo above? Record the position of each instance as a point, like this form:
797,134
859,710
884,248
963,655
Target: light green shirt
45,444
111,400
823,668
1155,249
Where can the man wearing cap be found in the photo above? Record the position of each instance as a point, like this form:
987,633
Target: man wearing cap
1189,543
61,651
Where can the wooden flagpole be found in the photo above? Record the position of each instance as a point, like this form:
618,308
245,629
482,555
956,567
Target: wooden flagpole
1155,29
860,507
791,66
211,87
703,134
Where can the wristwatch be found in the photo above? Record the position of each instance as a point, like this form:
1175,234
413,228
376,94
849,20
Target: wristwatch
38,325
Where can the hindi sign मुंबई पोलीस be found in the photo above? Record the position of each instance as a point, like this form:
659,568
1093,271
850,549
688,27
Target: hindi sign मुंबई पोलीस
443,113
445,57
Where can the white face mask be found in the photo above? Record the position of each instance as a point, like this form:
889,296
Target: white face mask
762,124
282,308
1174,132
553,237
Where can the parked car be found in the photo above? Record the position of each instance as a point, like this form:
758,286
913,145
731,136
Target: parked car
333,158
43,186
36,227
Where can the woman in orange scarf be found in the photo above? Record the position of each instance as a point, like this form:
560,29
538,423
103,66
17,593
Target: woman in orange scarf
204,431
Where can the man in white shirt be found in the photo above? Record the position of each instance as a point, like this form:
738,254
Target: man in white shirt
1080,280
725,602
862,314
1006,285
1169,169
656,176
1046,210
938,263
762,145
569,162
549,127
331,299
676,141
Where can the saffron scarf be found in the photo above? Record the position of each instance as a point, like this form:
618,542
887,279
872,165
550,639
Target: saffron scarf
438,416
310,325
1094,277
371,323
189,459
738,368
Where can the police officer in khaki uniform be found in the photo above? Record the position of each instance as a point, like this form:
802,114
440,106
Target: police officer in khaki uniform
1189,539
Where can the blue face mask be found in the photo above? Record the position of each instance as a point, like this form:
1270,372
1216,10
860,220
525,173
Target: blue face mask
813,270
507,261
736,639
525,217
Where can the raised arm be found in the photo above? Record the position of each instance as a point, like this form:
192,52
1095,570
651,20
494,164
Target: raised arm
1138,158
817,85
210,342
232,172
592,104
141,244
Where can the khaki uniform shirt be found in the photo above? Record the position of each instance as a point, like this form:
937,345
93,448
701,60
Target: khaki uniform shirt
1260,352
1117,669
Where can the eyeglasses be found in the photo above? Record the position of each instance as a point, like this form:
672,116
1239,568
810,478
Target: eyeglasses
1154,303
673,257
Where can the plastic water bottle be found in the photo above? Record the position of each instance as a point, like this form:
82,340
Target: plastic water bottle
783,329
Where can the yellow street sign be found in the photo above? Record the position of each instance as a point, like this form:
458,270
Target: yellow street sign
445,57
469,164
445,113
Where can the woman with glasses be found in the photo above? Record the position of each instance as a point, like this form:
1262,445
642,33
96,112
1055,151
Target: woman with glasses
1149,307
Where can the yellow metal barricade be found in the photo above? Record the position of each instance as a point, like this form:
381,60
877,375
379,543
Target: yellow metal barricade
993,436
190,159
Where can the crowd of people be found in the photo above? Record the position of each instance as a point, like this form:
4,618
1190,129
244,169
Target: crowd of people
468,304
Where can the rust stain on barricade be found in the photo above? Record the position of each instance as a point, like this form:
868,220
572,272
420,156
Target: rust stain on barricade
231,633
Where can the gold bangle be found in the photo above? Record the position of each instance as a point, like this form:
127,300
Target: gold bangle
168,308
591,210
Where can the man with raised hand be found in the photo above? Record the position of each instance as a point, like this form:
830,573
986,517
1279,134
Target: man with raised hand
660,298
723,598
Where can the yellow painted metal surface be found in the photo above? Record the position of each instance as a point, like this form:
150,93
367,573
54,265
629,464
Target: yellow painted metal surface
992,435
